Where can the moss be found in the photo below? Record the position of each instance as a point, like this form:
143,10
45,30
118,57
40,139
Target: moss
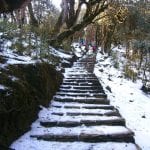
19,103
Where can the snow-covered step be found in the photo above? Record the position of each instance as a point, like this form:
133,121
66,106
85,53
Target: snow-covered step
84,63
24,144
79,70
110,113
89,87
81,83
78,75
84,83
81,91
85,134
76,71
94,95
81,80
80,106
71,113
84,111
87,74
81,100
87,122
48,114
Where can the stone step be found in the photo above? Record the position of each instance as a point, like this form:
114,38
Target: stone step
86,74
92,59
95,95
81,87
76,145
84,111
83,64
79,75
82,100
110,113
81,69
81,80
81,91
84,107
81,84
86,134
71,112
78,63
89,61
86,122
80,105
75,71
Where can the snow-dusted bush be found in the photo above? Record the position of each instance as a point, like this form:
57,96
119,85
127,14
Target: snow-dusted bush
130,73
115,59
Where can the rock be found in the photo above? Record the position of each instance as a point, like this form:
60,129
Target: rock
109,79
131,100
101,70
143,116
145,89
120,76
109,89
106,65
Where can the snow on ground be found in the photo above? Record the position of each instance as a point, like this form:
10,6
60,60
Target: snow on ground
13,58
60,54
131,102
2,87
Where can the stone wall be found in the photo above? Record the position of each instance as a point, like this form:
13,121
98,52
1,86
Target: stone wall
28,87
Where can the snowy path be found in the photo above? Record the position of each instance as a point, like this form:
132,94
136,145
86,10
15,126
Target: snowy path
79,117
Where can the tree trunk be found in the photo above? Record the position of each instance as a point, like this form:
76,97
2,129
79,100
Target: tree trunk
59,23
69,32
33,20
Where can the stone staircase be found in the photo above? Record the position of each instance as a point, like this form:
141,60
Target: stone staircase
81,117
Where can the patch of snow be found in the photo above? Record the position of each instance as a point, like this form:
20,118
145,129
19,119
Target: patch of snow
59,53
2,87
8,43
132,103
13,58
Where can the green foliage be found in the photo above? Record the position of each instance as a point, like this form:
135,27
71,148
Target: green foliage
6,26
115,59
143,46
19,47
130,73
67,45
30,40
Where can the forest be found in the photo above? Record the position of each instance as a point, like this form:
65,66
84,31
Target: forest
105,22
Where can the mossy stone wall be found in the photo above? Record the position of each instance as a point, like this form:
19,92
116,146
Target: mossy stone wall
33,85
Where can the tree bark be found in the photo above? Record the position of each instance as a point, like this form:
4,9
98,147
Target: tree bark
33,20
77,27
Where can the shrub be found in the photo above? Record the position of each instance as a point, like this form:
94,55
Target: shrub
130,73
